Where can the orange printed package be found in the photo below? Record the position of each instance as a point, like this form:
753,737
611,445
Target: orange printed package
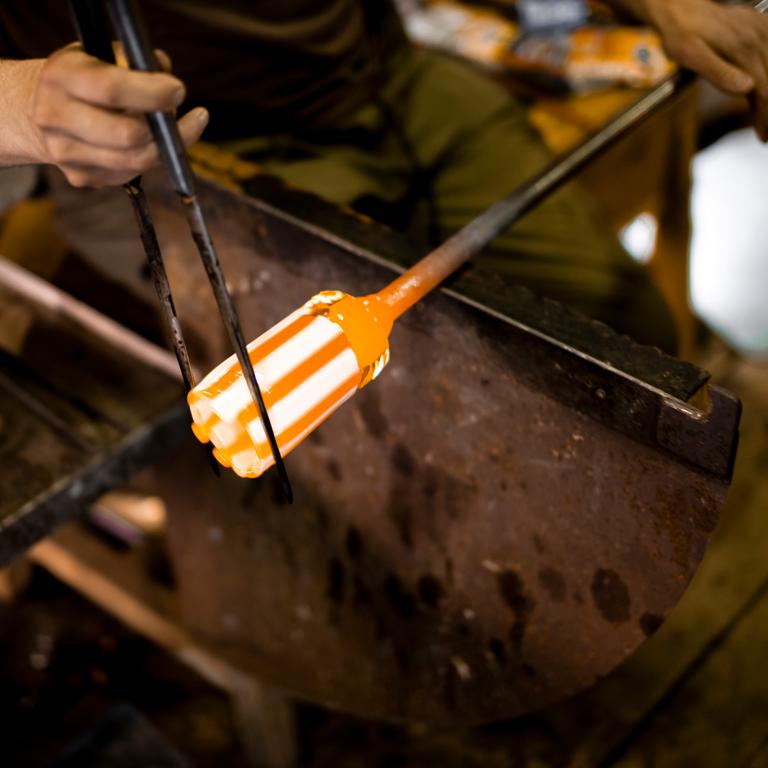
591,58
606,55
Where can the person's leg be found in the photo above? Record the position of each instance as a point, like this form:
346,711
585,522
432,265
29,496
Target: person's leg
476,141
359,160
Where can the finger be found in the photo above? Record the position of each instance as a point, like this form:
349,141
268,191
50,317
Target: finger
192,125
760,116
93,81
90,176
66,151
745,43
697,55
80,176
92,125
744,40
754,64
164,60
120,58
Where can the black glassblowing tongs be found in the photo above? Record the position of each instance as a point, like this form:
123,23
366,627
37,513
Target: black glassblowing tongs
91,19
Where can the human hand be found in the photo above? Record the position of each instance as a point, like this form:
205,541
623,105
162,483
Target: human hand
88,118
726,44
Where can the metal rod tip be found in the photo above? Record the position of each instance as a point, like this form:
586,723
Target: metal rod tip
285,483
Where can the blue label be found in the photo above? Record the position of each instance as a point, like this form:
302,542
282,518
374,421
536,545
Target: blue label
552,15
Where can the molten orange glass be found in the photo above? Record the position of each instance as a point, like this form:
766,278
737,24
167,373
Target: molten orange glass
306,366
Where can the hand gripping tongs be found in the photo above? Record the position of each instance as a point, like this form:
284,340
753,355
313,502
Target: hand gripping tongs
96,39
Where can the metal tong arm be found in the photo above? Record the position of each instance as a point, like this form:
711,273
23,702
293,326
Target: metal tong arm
96,39
135,41
133,36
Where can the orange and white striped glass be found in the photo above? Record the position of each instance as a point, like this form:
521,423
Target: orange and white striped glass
307,366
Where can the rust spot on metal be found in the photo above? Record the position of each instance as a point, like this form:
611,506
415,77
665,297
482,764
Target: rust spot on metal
354,543
400,515
498,650
370,409
334,470
650,623
611,596
430,590
675,510
403,461
553,583
400,598
512,592
336,581
362,595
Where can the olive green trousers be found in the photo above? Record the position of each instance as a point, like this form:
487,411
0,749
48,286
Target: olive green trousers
439,144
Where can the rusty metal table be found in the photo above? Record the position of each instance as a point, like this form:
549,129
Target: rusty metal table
498,521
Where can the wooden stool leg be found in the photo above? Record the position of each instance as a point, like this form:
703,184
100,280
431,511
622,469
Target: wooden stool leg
266,724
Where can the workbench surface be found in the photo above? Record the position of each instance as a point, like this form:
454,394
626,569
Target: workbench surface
77,417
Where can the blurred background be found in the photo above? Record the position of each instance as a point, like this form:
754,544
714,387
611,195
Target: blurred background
96,667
